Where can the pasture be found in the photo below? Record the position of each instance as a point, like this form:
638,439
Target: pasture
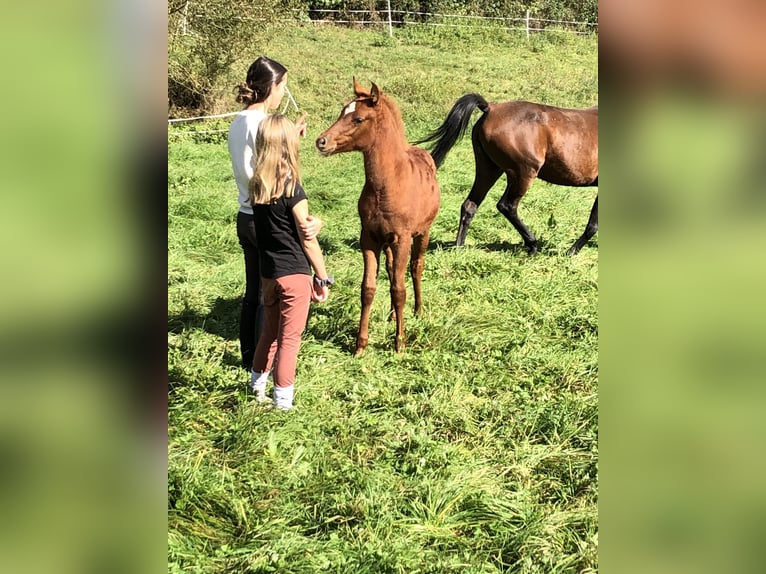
475,450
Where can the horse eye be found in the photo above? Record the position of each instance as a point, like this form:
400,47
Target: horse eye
358,120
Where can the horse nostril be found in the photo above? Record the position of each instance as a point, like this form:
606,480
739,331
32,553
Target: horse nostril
321,142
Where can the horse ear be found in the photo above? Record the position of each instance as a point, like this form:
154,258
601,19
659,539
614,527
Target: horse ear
375,93
358,89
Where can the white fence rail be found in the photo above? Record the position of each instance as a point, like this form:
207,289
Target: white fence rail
290,100
400,17
390,18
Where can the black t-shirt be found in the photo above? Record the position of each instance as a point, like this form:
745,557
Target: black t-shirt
279,243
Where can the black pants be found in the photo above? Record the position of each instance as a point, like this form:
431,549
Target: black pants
251,319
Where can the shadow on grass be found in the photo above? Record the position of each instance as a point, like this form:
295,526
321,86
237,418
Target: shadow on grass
352,243
222,321
330,246
544,247
433,245
514,248
325,324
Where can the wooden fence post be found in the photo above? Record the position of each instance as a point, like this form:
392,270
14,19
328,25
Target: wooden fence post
390,27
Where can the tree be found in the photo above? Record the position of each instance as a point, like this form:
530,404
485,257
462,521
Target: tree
205,38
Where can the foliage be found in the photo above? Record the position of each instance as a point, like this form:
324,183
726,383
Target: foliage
208,39
475,451
573,10
205,38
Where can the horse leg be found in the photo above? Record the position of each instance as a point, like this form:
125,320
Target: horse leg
417,261
508,205
371,256
390,273
487,173
400,251
590,229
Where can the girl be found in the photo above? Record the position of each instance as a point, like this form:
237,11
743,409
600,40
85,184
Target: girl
280,207
262,91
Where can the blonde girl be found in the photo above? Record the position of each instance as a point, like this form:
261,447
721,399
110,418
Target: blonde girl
280,208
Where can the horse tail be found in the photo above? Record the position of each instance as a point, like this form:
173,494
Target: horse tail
453,128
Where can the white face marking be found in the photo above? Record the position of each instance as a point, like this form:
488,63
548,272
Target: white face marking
349,108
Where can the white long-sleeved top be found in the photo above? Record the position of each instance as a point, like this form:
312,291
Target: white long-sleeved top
242,152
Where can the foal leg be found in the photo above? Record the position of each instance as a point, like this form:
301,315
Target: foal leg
509,205
390,273
590,229
417,262
371,256
400,250
487,173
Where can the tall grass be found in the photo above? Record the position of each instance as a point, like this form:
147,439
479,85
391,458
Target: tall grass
473,451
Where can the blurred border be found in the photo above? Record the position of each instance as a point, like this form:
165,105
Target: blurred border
682,328
83,402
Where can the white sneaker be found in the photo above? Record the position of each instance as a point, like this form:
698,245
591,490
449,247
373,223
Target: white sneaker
259,391
258,385
283,397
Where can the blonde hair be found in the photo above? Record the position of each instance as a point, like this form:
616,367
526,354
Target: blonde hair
277,166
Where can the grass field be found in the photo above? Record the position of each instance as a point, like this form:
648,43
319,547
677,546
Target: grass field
473,451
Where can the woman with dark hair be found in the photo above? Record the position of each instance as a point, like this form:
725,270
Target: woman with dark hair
261,92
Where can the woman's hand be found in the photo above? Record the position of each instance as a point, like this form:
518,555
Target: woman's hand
310,227
301,125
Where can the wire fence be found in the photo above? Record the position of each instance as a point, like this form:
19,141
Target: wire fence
395,19
171,121
411,18
401,18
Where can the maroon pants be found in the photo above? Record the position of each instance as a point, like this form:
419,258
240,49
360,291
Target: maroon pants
286,309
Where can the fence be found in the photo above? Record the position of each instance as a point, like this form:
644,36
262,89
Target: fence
290,100
404,17
401,18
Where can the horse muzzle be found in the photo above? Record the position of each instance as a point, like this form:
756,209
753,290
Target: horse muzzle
324,146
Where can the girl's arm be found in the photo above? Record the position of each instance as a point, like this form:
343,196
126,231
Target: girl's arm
313,251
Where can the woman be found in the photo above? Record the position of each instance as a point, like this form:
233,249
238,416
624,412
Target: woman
280,208
262,91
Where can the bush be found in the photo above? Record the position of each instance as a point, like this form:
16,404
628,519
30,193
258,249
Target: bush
205,38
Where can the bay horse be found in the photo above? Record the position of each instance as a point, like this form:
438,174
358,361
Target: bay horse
399,200
524,140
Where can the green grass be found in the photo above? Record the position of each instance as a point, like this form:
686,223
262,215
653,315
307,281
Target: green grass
473,451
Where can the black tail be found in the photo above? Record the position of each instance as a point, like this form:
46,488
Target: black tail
454,126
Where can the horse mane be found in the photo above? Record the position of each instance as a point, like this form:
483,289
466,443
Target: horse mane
394,116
